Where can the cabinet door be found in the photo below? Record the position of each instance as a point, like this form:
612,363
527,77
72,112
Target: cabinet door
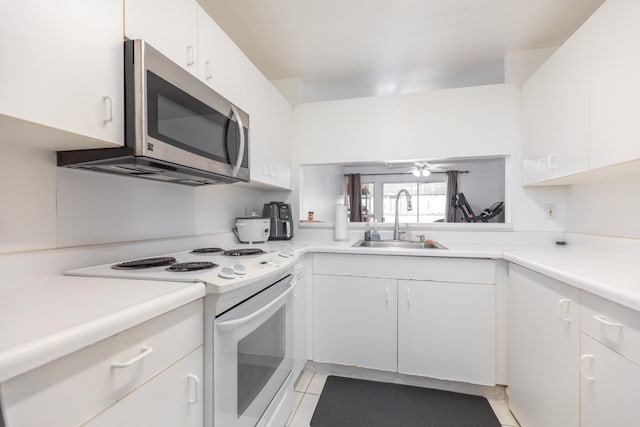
555,113
271,130
615,88
447,331
355,321
301,325
219,59
171,26
610,385
172,398
544,350
63,66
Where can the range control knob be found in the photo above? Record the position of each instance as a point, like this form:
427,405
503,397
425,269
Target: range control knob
239,269
227,273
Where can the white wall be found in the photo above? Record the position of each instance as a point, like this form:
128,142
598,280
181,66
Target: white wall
520,65
468,122
609,206
321,188
44,207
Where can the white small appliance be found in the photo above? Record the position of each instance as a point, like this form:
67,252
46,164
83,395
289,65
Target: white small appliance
252,229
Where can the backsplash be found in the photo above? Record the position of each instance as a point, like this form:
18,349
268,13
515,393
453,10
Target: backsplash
46,207
607,207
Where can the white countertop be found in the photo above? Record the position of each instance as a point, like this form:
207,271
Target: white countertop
452,251
47,319
43,320
597,265
613,275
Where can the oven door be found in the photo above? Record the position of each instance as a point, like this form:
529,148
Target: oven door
253,355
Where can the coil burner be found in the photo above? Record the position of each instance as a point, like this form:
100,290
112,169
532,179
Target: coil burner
140,264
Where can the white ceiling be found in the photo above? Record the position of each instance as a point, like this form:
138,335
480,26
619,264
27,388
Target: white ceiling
368,47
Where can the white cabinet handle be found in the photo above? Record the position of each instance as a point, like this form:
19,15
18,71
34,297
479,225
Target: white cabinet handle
190,56
542,165
564,306
408,297
602,319
208,72
196,388
108,109
551,161
386,295
143,353
229,325
584,358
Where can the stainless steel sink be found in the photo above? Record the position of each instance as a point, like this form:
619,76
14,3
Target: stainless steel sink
427,244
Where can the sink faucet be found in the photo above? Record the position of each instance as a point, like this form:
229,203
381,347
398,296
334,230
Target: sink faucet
396,228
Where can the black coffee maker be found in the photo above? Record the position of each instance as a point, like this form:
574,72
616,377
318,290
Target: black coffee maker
281,221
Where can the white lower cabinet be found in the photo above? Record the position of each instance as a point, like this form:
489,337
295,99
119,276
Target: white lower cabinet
146,361
355,321
610,385
443,328
447,330
173,398
301,324
610,363
544,350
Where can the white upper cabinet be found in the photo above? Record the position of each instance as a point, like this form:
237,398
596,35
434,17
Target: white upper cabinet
555,109
62,67
219,59
171,26
271,129
615,82
580,108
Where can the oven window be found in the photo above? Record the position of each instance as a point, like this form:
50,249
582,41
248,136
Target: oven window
259,355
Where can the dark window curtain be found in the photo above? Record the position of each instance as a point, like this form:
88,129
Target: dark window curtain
355,197
452,190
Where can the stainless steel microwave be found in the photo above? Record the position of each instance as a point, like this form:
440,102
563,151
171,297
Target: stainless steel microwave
177,129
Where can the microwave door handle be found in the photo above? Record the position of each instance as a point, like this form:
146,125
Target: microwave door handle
230,325
236,167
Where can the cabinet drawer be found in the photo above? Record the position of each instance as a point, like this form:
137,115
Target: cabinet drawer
463,270
74,388
173,398
613,325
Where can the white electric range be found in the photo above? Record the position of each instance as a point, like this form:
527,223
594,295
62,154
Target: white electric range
232,274
248,323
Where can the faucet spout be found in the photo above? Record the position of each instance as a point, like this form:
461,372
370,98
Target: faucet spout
396,227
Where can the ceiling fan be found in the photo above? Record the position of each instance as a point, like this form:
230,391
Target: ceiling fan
423,168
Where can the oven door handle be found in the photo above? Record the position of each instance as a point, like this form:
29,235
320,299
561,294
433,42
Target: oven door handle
236,167
230,325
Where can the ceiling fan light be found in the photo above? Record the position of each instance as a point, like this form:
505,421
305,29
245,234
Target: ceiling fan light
416,172
426,172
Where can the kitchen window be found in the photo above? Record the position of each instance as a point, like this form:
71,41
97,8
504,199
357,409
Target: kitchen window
428,199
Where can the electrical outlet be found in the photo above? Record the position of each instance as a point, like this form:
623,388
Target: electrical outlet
549,210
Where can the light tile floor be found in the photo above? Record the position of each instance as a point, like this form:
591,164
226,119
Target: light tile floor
309,386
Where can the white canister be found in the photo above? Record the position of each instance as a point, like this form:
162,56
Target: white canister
252,229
